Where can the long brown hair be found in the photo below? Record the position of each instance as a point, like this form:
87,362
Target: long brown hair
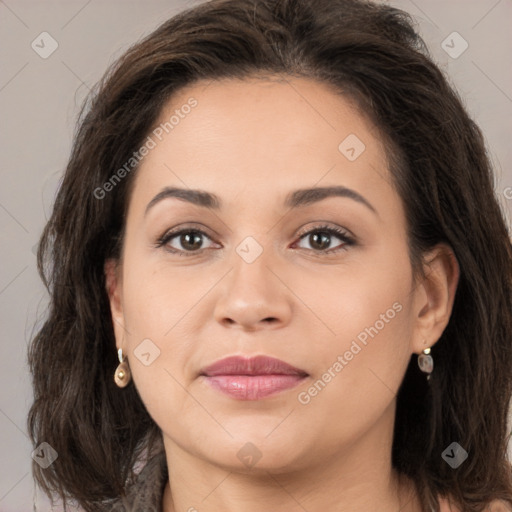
371,54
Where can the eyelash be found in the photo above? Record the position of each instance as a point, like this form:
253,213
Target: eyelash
339,233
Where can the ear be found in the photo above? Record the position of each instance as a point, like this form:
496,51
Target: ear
114,286
434,296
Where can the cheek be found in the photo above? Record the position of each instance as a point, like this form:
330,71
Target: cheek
156,295
369,293
359,370
160,329
368,311
371,333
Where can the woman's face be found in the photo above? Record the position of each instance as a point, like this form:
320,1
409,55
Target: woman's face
340,307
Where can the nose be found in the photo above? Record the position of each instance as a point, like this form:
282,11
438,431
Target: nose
254,295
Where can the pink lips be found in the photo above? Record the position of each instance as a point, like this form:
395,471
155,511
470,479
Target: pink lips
252,378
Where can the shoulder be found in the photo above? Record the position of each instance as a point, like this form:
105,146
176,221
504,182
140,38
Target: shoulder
498,506
445,505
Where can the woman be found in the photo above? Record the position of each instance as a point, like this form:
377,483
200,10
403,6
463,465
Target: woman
279,276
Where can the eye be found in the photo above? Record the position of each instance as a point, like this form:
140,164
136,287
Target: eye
321,237
189,239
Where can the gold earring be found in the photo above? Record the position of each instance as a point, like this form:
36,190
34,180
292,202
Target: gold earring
122,375
426,361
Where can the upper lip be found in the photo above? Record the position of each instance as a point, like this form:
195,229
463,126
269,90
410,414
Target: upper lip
258,365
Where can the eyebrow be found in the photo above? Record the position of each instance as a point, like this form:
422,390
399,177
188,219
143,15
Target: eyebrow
295,199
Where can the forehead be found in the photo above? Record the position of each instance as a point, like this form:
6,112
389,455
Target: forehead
237,137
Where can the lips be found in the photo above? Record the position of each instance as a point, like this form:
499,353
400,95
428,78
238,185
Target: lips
259,365
252,378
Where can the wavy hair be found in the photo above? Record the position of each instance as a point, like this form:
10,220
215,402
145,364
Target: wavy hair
373,55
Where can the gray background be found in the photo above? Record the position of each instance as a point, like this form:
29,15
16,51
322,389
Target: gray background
39,101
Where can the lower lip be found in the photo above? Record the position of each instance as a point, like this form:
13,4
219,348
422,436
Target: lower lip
253,387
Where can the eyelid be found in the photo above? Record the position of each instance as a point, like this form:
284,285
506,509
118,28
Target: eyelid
325,225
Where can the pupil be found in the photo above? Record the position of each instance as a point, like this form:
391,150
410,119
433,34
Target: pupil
324,240
187,242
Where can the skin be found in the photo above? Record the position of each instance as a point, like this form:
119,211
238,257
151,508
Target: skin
251,142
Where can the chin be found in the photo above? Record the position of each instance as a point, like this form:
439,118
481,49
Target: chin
255,452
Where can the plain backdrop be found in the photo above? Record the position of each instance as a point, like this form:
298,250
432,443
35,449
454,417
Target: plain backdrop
39,101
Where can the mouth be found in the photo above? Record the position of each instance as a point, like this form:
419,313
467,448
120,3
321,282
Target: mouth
252,378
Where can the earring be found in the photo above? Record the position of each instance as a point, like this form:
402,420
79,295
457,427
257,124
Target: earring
425,361
123,375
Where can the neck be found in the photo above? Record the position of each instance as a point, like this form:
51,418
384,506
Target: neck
277,494
356,478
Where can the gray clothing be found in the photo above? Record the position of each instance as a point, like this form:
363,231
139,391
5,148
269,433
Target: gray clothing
146,493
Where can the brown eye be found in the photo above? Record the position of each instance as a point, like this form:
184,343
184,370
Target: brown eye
183,241
191,240
320,239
